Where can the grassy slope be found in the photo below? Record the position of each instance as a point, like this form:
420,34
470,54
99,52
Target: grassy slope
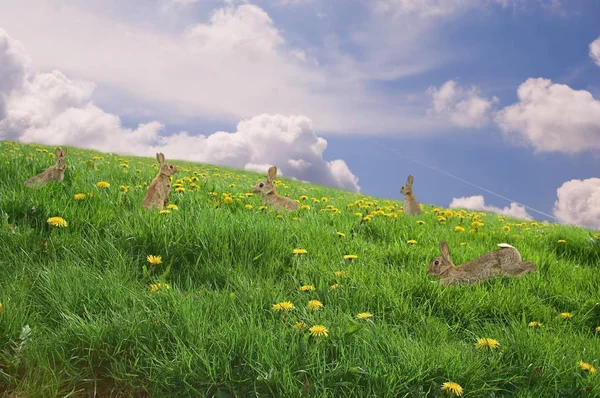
97,326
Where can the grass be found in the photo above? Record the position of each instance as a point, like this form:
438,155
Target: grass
100,323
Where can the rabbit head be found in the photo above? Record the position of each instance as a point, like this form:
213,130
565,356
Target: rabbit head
266,186
406,189
61,161
165,168
442,264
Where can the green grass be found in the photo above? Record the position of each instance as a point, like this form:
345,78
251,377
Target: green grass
97,326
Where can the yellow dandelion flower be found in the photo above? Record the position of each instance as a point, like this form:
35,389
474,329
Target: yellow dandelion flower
412,242
299,326
1,307
179,189
358,214
458,228
172,207
335,286
586,367
228,199
535,324
596,236
57,222
314,305
561,241
307,288
154,260
340,234
364,315
299,251
305,207
303,197
164,211
103,184
420,222
318,331
248,206
79,196
324,199
341,274
463,243
283,306
597,328
125,165
506,228
350,257
452,387
566,315
488,343
158,286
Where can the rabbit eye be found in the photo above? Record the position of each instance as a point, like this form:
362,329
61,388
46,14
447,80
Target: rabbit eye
261,185
436,262
170,166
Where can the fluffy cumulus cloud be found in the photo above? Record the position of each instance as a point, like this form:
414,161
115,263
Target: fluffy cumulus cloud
50,108
462,107
477,203
552,117
595,51
579,203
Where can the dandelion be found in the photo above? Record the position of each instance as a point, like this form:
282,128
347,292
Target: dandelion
506,228
566,315
299,251
463,243
172,207
341,234
488,343
305,207
318,331
228,199
358,214
154,260
560,241
412,242
180,189
157,286
535,324
341,274
307,288
452,387
248,206
300,326
164,211
364,315
420,222
350,257
283,306
335,286
324,199
124,165
124,188
314,305
1,307
303,197
458,228
103,185
57,222
586,367
79,196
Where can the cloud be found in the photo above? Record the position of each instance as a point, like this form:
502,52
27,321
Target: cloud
50,108
478,203
579,203
595,51
552,117
463,108
13,61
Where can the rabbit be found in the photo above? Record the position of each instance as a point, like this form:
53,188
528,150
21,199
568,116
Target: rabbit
157,195
505,261
410,205
52,173
266,188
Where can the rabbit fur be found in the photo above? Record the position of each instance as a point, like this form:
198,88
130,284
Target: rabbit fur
410,205
505,261
55,172
157,195
266,188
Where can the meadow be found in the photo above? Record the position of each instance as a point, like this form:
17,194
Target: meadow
220,296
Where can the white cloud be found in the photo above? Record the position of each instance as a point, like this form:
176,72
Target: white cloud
463,108
477,202
595,51
552,117
50,108
579,203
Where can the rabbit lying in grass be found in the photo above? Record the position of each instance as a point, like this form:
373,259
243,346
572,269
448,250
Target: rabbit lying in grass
157,195
266,188
505,261
410,205
55,172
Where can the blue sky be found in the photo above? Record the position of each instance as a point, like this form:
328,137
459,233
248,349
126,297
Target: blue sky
502,93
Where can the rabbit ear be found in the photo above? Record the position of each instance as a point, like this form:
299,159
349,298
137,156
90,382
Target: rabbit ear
410,180
160,157
57,152
64,152
445,251
272,173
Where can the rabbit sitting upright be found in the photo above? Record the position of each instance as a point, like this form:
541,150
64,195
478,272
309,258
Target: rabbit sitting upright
410,205
266,188
505,261
55,172
158,191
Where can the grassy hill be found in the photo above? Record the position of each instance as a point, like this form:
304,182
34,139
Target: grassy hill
206,320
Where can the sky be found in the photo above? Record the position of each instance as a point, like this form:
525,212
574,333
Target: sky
491,105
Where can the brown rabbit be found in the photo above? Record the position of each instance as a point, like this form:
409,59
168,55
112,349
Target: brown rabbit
52,173
410,205
158,191
266,188
505,261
